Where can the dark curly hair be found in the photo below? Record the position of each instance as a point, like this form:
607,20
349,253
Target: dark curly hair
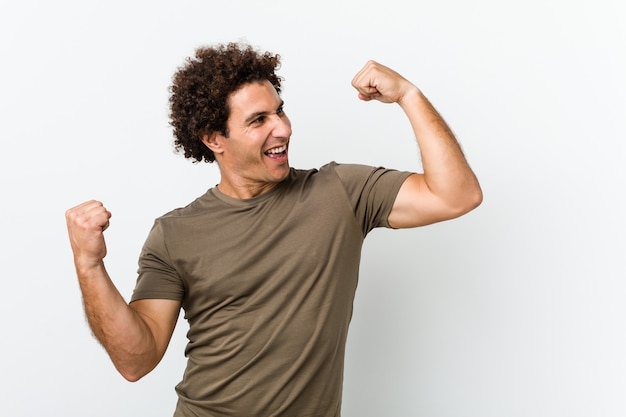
201,87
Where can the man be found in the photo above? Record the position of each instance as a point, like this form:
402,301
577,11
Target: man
265,264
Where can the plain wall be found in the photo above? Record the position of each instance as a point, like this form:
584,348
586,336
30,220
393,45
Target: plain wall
516,309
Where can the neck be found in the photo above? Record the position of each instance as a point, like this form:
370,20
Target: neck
244,190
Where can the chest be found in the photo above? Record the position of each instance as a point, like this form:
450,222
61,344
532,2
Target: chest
243,257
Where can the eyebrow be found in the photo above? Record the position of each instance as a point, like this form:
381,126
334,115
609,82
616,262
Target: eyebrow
262,113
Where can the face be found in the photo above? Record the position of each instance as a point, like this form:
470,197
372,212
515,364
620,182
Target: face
253,158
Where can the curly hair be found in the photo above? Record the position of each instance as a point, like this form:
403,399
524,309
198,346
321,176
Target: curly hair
201,87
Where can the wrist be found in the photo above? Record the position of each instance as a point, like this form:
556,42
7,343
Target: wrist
88,266
411,98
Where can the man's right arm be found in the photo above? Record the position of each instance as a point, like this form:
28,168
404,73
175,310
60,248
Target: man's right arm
135,336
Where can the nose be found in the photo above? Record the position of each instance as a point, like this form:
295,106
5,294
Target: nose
282,126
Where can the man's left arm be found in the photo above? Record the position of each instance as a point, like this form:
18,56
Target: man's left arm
448,187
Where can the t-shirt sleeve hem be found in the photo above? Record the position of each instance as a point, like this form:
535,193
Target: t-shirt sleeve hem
155,295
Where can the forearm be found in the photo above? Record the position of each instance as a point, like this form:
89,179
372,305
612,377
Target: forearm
446,171
122,331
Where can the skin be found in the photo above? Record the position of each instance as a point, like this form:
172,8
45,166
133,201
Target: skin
448,187
136,335
257,125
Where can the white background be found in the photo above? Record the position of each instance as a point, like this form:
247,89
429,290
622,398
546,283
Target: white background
516,309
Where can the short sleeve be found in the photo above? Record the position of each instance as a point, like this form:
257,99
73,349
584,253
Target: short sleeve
157,277
371,191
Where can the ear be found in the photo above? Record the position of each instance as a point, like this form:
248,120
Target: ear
214,141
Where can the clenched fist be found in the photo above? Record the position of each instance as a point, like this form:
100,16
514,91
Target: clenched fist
86,224
378,82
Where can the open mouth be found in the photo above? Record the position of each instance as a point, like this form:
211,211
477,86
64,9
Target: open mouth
277,152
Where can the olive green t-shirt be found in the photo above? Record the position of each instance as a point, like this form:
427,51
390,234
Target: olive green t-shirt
267,285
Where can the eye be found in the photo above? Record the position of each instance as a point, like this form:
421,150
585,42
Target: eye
259,120
280,111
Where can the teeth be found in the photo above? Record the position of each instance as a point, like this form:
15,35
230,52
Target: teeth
278,150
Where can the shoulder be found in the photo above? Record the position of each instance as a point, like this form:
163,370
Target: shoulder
330,173
350,173
341,168
195,207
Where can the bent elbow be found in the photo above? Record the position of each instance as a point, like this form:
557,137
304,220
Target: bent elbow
131,377
133,373
475,199
471,200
